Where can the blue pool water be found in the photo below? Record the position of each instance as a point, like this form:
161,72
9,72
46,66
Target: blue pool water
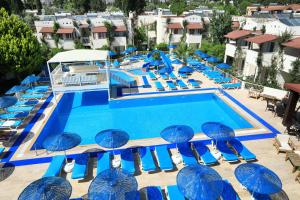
89,113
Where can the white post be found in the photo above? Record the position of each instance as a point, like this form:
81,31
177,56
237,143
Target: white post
50,75
108,79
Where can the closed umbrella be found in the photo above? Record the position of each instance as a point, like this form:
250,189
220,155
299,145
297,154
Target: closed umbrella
113,184
47,188
199,182
16,89
7,101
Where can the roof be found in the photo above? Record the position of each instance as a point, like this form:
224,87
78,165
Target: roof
292,86
174,26
47,30
79,55
294,6
120,29
65,30
237,34
274,8
194,26
235,24
294,43
99,29
260,39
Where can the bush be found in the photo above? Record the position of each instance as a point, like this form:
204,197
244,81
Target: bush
162,46
217,50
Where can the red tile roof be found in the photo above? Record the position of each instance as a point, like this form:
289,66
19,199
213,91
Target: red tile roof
237,34
260,39
294,43
65,30
47,30
235,24
274,8
120,29
292,86
294,6
194,26
99,29
174,26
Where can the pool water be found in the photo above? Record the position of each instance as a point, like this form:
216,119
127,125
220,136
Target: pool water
89,113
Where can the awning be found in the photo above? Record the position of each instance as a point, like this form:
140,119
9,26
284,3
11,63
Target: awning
292,86
120,29
194,26
99,29
65,30
174,26
238,34
47,30
260,39
294,43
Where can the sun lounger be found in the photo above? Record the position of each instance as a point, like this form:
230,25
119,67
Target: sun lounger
282,143
146,82
173,193
242,150
152,76
172,76
18,109
81,166
42,87
231,86
228,192
204,153
88,79
159,86
70,80
153,193
148,164
27,103
55,166
7,116
1,150
182,75
194,83
171,85
181,84
37,90
226,152
12,124
32,96
127,161
103,162
223,80
163,158
187,154
164,76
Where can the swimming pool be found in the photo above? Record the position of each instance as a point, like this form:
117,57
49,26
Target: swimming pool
90,112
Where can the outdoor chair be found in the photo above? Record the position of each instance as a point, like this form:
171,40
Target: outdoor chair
270,105
163,157
282,143
279,110
173,193
127,161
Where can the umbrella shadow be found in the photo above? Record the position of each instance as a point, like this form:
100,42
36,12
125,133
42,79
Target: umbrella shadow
6,170
150,192
42,116
11,141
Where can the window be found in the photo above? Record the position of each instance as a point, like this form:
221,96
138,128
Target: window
120,34
101,35
47,36
175,31
69,36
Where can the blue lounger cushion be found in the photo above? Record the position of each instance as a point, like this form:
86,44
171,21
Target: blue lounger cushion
55,166
194,83
183,75
14,115
10,123
127,161
103,162
146,82
228,192
242,150
231,85
81,166
173,193
27,103
15,109
172,76
164,76
171,85
204,154
187,154
152,76
181,84
226,152
32,96
163,158
159,86
154,193
148,164
37,90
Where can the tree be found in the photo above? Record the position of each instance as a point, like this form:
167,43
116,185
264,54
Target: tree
140,37
184,51
220,25
284,37
20,51
59,3
39,6
184,23
136,6
97,5
5,4
16,6
110,32
217,50
29,19
294,75
162,46
177,6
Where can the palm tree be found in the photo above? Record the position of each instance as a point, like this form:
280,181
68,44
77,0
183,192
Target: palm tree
110,33
184,24
284,37
184,51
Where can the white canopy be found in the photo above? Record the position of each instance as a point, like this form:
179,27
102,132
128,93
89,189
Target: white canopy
79,55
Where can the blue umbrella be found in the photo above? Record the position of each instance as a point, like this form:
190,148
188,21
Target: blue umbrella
153,192
113,184
61,142
185,69
194,62
203,55
131,49
165,70
47,188
177,134
125,52
7,101
172,46
30,79
16,88
112,53
217,131
199,182
258,179
116,63
156,63
176,61
198,52
112,138
212,60
223,66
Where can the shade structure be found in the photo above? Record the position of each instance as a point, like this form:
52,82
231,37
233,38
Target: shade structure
113,184
185,69
199,182
177,62
47,188
111,53
7,101
112,138
61,142
116,63
218,131
30,79
156,63
172,46
258,179
177,134
164,70
212,60
223,66
203,55
194,62
16,88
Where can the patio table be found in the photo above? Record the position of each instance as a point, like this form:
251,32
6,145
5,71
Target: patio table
294,159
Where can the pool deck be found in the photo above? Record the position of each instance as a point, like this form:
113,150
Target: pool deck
263,148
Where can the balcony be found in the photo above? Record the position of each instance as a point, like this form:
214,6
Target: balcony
176,38
119,41
287,62
193,39
66,43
